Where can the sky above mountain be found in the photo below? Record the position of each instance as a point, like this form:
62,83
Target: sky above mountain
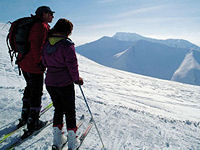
93,19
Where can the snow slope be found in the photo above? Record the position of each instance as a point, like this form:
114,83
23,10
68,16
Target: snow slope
189,70
133,112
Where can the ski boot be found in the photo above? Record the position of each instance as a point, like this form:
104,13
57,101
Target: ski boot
59,140
33,123
72,142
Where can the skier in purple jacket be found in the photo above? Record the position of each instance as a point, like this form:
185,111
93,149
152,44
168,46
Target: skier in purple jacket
60,59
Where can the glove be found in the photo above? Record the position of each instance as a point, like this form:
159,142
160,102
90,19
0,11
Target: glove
79,82
42,67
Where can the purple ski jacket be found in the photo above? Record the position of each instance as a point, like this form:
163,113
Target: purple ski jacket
60,59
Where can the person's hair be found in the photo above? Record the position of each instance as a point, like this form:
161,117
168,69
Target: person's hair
62,26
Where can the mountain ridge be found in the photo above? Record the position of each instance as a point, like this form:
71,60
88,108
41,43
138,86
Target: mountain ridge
178,43
134,53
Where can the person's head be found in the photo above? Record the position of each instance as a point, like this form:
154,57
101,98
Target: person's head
63,26
45,13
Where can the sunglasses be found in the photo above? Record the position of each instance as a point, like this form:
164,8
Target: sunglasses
50,13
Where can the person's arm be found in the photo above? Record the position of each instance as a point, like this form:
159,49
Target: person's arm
72,65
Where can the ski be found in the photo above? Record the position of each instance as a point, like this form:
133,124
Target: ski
85,133
34,133
15,129
21,139
46,109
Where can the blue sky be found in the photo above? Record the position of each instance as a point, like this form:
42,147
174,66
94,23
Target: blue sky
92,19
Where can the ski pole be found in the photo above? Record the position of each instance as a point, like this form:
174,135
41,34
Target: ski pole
91,116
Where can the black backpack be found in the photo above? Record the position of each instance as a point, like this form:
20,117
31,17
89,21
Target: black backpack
17,38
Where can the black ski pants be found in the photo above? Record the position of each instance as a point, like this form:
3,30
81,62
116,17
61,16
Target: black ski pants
64,103
33,90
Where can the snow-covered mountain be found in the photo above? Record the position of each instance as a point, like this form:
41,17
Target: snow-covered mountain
103,50
189,70
150,59
178,43
134,53
132,111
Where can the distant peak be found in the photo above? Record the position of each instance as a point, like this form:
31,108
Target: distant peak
106,38
126,34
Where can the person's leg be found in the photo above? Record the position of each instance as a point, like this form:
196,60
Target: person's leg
58,112
36,88
25,101
68,103
58,138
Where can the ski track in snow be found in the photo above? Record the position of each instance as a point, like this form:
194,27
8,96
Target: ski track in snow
132,112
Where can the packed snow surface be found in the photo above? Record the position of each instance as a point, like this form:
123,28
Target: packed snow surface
132,112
